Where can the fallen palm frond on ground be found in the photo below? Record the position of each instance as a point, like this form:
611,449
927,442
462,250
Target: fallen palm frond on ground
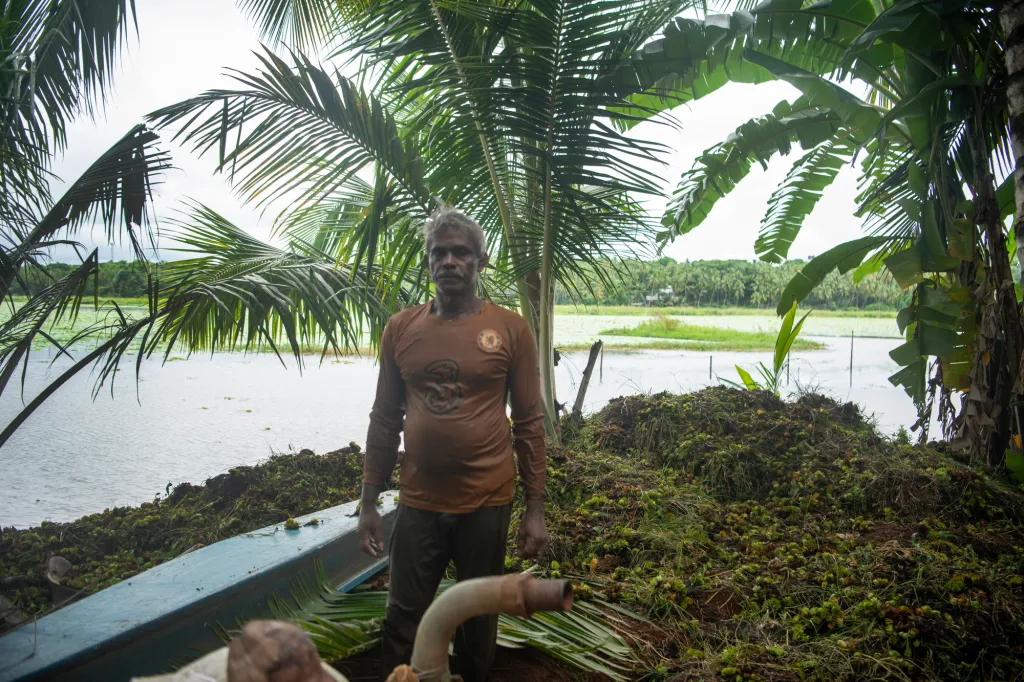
345,624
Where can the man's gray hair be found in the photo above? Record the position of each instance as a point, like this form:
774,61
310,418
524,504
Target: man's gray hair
450,219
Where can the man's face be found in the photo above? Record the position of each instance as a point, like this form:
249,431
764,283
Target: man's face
453,263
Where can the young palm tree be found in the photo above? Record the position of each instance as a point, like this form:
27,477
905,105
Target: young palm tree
513,111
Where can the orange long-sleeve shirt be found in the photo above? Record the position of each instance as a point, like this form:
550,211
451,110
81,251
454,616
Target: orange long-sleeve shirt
449,380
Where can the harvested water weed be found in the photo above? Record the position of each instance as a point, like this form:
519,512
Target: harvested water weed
757,539
118,543
787,541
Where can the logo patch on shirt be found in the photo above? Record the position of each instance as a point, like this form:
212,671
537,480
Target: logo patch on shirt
445,394
489,341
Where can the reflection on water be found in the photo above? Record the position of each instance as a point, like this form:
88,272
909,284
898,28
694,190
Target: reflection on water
194,419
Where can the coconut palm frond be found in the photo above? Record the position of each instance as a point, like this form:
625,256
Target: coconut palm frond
240,293
344,624
114,190
303,24
60,300
299,129
59,59
367,228
237,293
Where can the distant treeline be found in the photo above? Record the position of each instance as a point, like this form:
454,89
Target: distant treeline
740,283
662,282
117,279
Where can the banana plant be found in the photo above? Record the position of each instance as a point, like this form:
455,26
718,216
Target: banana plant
913,95
771,377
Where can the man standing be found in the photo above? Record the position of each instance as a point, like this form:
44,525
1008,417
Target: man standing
447,366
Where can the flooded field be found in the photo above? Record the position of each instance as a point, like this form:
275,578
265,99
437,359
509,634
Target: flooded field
195,418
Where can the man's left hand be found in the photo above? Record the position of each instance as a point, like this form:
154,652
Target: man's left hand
533,531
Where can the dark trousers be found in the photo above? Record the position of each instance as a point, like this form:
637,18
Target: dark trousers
422,544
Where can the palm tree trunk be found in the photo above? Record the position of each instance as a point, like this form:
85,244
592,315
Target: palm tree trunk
1011,16
1012,19
532,312
545,327
499,192
989,416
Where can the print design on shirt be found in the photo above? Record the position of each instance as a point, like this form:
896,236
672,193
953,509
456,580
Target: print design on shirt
445,394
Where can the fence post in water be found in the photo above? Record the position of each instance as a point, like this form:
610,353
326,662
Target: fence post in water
595,350
711,362
851,357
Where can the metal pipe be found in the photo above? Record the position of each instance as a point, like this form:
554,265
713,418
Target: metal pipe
515,595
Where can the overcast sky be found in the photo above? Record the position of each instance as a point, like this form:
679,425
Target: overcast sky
186,46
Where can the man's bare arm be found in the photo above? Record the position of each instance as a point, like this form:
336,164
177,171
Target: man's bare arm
528,429
382,440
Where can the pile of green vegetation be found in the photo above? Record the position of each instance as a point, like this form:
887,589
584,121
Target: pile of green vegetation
118,543
757,539
704,338
768,540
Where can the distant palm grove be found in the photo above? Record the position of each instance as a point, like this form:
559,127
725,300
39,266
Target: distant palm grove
662,282
120,279
729,283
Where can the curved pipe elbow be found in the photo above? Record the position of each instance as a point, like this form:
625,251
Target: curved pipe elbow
515,595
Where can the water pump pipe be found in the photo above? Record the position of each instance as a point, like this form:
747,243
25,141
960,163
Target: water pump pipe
515,595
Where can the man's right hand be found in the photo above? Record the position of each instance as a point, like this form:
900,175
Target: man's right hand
371,536
370,527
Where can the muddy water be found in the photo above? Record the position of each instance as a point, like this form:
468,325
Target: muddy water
193,419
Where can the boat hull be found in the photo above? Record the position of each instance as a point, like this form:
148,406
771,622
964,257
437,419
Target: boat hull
165,617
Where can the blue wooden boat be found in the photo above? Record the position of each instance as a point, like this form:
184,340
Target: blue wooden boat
163,618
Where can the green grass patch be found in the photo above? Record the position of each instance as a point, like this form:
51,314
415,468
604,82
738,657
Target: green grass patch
637,311
700,337
653,344
660,344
